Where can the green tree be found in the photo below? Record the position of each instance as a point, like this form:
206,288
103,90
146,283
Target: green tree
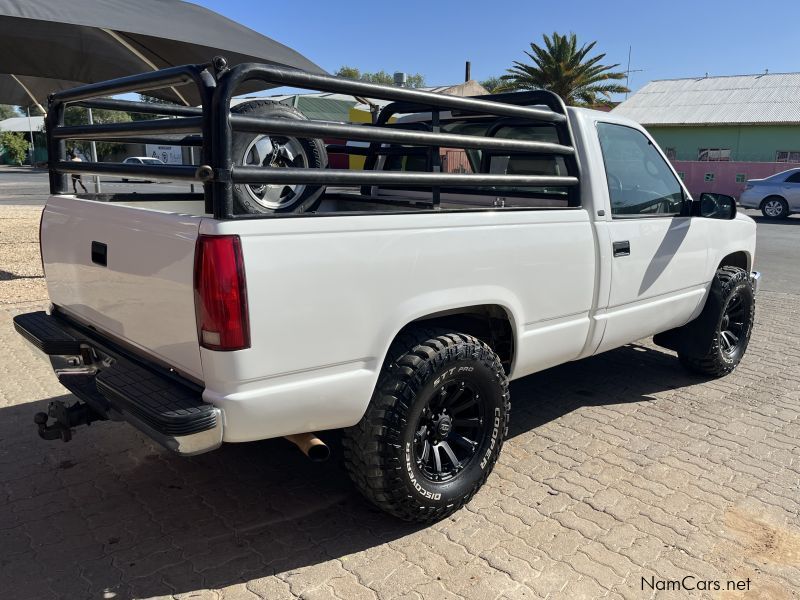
414,80
567,70
492,83
76,115
7,112
348,72
34,108
15,145
150,100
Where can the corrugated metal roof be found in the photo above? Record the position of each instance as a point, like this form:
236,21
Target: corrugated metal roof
323,109
325,106
22,124
737,99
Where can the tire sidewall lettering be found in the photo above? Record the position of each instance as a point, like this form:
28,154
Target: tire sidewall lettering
422,491
448,491
493,440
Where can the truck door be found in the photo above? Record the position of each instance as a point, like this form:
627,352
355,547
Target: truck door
658,253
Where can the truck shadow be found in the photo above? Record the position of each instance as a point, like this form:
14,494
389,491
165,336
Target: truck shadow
629,374
111,515
9,276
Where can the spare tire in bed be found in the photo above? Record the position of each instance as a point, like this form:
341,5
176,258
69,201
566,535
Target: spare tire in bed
275,151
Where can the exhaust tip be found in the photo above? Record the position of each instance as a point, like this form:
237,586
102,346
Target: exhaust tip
319,453
310,445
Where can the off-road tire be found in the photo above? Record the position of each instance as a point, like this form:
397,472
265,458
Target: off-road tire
379,450
314,150
729,283
784,214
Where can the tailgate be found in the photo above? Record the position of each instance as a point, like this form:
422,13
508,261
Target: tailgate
144,294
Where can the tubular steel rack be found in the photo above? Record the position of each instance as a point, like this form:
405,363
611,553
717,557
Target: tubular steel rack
211,127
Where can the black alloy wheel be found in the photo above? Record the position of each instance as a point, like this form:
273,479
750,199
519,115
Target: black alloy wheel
449,431
434,427
715,342
732,325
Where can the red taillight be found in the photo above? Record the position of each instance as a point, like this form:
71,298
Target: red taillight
220,293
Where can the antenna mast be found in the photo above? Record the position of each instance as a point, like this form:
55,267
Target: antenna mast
628,71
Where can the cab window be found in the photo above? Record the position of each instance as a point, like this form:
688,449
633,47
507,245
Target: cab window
479,161
640,183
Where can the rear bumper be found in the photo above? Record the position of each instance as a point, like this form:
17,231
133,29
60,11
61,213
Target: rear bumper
118,385
755,279
748,200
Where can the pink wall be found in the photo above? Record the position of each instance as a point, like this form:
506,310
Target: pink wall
725,174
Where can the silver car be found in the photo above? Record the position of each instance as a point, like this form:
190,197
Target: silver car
776,196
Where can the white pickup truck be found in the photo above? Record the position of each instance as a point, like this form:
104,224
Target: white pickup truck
397,309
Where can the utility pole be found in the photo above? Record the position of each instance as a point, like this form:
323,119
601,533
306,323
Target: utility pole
30,130
94,156
628,72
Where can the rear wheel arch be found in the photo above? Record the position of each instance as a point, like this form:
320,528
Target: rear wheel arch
491,323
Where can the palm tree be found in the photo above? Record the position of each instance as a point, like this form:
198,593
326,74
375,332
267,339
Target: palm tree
563,68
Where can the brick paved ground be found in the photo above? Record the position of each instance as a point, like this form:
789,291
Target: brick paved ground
619,467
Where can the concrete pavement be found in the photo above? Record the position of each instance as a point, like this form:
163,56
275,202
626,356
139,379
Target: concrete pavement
621,473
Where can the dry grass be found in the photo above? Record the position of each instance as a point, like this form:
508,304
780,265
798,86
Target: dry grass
21,277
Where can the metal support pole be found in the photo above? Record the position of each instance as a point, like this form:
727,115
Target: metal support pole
191,160
30,130
435,159
94,156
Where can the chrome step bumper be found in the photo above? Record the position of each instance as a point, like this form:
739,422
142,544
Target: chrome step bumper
117,385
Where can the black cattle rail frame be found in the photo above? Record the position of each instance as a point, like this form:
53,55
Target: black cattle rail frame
211,126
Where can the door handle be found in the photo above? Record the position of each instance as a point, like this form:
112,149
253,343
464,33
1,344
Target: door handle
622,248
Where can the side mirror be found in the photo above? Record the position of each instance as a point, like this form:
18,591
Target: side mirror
714,206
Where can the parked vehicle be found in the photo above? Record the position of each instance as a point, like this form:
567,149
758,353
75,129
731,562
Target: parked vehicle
397,310
141,160
776,196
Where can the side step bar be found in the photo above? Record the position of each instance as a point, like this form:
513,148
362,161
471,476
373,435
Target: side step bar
113,384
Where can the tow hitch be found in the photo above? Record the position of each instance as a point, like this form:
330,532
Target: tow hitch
65,418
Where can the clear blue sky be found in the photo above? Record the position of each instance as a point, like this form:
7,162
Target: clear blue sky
670,39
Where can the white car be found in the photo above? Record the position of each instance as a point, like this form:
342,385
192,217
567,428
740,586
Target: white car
141,160
776,196
398,311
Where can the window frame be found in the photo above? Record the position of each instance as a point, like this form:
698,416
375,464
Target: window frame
685,195
700,152
788,154
789,177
